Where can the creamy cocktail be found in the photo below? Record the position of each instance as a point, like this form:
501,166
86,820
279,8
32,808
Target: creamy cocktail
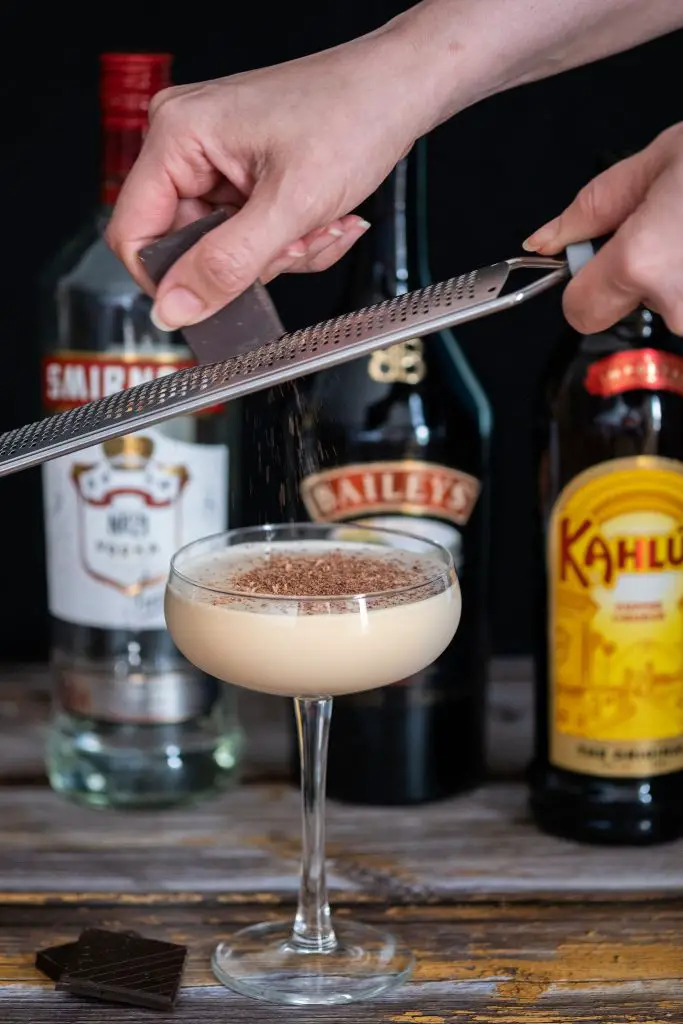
311,611
297,643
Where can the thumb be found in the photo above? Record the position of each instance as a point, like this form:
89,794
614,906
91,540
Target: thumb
225,262
602,293
599,208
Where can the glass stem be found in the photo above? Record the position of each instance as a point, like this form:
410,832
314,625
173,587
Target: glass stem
313,923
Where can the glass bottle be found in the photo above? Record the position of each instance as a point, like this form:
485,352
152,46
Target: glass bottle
134,724
401,439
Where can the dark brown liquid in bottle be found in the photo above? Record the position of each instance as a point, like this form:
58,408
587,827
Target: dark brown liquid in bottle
400,439
608,763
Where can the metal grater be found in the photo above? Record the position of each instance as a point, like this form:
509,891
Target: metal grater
439,306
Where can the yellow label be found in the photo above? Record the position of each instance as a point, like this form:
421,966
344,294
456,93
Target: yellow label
615,574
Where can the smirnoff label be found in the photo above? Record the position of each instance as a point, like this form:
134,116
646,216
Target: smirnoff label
406,487
615,578
71,379
115,513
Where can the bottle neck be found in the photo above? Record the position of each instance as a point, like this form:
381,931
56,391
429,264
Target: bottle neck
128,82
394,257
121,147
641,329
389,255
638,328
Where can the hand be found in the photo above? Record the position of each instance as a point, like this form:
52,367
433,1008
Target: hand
640,199
295,148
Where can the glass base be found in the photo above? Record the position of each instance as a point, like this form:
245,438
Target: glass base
263,962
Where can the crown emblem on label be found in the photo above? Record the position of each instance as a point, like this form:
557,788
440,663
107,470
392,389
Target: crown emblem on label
133,451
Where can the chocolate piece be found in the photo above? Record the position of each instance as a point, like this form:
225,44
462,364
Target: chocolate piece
122,968
247,322
159,257
54,961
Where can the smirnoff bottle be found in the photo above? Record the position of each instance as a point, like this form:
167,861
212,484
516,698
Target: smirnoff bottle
134,724
401,439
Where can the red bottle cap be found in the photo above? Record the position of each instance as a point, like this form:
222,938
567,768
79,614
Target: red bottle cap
127,84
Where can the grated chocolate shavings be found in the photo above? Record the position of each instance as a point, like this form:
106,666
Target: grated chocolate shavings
333,574
320,583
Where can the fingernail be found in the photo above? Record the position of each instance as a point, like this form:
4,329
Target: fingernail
177,309
295,253
542,237
335,232
364,224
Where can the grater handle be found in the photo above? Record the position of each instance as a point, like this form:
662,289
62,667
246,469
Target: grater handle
578,255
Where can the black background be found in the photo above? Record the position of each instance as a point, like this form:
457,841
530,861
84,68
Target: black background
497,171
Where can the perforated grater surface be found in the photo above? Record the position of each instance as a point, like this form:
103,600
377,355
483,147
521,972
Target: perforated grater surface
439,306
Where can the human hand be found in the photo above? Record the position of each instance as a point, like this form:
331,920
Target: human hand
640,199
294,148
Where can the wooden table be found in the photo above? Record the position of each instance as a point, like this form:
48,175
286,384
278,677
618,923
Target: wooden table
509,926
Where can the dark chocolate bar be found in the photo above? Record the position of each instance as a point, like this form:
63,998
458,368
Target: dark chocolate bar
53,961
123,968
159,257
247,322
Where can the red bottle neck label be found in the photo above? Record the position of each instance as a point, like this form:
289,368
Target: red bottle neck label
646,369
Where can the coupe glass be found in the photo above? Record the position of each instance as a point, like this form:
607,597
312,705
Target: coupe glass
310,649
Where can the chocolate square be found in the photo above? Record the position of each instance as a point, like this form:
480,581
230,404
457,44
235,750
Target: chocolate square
246,323
53,961
123,968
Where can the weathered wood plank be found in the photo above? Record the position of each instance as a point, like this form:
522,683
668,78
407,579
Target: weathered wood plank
413,1005
216,1008
481,845
25,707
541,964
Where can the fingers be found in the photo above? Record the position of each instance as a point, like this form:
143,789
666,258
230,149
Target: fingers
318,250
188,211
166,177
600,207
641,263
225,262
639,201
603,292
146,209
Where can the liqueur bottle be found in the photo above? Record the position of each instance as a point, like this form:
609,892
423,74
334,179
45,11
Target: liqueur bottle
608,763
401,439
